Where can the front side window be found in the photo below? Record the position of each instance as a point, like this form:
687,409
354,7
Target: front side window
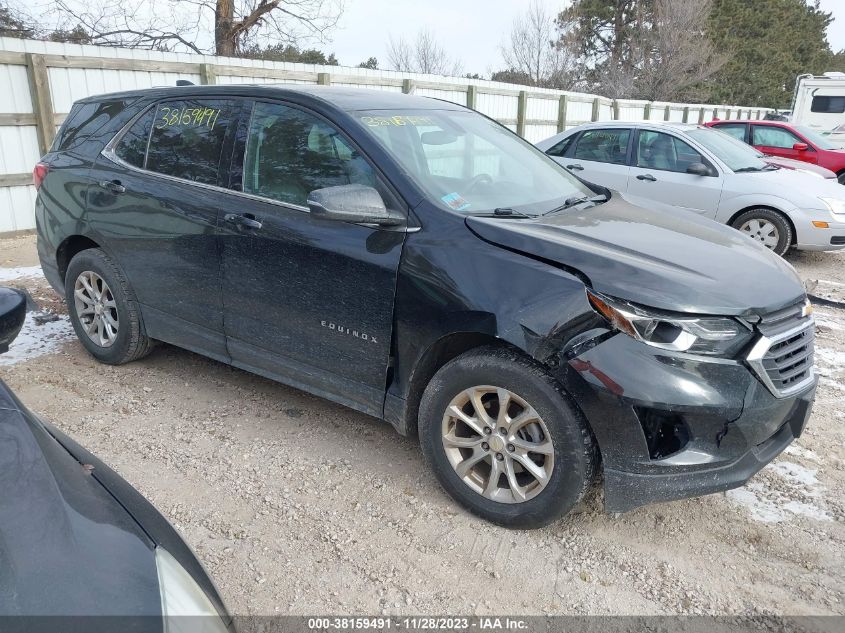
656,150
771,136
559,148
733,129
467,163
828,104
290,153
737,155
187,138
604,146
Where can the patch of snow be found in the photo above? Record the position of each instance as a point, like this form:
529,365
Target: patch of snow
831,357
37,340
803,453
11,274
826,323
795,491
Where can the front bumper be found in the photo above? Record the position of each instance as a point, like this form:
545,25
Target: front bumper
672,426
812,238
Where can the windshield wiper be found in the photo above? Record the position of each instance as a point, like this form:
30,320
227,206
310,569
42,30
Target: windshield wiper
504,212
576,200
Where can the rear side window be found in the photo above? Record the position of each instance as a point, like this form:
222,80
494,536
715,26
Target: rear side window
187,138
737,130
603,146
85,120
132,147
828,104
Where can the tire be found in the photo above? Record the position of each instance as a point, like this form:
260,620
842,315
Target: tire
574,457
841,177
758,223
129,341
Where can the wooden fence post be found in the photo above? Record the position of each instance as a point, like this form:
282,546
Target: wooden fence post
207,75
596,105
615,110
667,113
324,79
472,96
408,86
701,116
521,107
561,113
686,114
42,100
647,111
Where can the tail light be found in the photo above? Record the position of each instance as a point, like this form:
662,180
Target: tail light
39,173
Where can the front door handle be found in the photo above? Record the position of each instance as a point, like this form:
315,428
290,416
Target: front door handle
647,177
575,167
113,185
246,220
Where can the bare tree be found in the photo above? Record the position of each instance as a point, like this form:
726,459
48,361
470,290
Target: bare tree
678,55
531,49
192,24
423,55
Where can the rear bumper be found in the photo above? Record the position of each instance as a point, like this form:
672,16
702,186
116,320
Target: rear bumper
676,426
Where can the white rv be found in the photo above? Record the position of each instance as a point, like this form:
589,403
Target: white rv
819,103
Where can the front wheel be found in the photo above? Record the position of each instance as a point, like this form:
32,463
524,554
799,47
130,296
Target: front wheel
504,440
841,177
766,226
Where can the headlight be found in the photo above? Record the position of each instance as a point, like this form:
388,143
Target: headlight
182,596
712,336
835,205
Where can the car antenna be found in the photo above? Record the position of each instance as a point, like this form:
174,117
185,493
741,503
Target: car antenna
184,82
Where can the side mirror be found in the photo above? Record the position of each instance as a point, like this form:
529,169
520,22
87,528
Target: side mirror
801,147
357,204
699,169
12,314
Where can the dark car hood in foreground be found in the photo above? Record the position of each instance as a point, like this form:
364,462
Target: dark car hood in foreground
66,546
674,261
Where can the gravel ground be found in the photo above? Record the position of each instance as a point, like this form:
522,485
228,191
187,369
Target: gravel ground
296,505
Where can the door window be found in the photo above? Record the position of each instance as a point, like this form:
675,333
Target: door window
737,130
604,146
290,153
656,150
771,136
187,138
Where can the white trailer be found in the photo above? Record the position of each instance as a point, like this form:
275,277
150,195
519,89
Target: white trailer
819,102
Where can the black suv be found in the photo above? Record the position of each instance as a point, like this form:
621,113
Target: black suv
417,261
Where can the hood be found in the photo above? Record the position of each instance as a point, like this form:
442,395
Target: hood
798,187
789,163
674,261
66,546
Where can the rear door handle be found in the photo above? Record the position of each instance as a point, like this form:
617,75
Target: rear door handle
246,220
647,177
575,167
113,185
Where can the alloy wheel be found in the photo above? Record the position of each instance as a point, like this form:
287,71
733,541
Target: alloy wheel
763,231
498,444
96,308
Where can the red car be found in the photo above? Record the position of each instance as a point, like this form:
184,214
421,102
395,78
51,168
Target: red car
789,141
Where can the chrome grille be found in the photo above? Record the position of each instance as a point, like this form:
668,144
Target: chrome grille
782,357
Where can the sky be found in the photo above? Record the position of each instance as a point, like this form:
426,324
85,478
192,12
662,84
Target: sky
471,30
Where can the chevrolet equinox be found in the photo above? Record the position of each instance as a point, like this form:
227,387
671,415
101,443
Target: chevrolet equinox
417,261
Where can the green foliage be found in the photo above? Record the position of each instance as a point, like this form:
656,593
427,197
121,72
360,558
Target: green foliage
371,63
290,53
768,44
512,77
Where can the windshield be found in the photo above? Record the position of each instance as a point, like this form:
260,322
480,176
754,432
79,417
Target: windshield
816,139
735,154
470,164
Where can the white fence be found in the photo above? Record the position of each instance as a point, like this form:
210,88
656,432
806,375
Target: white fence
40,80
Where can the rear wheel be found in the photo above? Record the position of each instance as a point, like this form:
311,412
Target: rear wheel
841,177
766,226
103,309
504,440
